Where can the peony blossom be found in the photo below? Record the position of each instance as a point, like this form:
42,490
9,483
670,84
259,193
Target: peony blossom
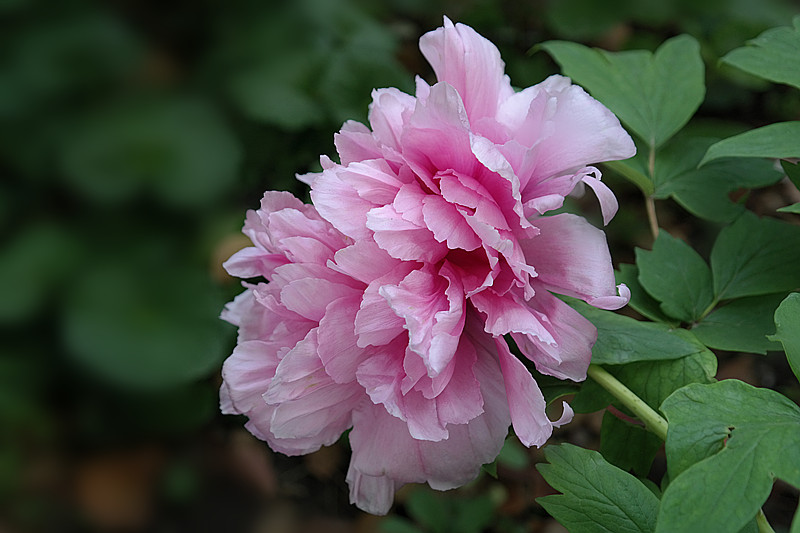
387,303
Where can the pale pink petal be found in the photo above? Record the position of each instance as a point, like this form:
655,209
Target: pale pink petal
246,374
525,400
338,350
608,202
355,142
583,132
363,261
385,456
403,239
448,224
388,114
340,203
509,314
571,257
252,262
376,323
470,63
569,356
309,297
432,307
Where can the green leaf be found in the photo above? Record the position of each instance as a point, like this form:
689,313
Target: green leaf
787,323
774,55
652,94
705,192
792,171
32,266
621,339
677,276
641,301
597,496
776,140
755,256
727,443
181,149
794,208
143,327
741,326
627,446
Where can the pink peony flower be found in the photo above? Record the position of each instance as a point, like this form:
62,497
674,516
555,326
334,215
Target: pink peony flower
388,301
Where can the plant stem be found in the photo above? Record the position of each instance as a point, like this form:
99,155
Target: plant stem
653,421
763,524
650,204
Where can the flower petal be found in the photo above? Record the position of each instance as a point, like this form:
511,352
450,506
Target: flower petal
572,258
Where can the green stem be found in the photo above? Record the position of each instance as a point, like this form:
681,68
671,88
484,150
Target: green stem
653,421
763,524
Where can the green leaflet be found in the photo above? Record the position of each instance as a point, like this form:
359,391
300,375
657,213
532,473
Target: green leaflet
597,496
776,140
774,55
755,256
787,323
727,442
641,301
675,274
742,325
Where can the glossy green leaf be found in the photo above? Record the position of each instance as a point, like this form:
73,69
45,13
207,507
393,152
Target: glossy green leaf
727,443
653,94
741,326
776,140
597,497
674,274
755,256
627,446
787,323
774,55
641,301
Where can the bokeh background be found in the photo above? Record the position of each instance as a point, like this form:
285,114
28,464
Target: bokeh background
134,134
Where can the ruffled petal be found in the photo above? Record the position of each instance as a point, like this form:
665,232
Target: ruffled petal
470,63
572,258
385,456
569,355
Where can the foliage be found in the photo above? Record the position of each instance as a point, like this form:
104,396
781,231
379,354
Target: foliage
135,134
